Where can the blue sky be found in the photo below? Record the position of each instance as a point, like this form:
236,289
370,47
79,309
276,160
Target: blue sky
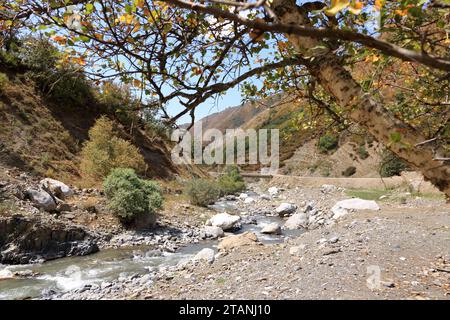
231,98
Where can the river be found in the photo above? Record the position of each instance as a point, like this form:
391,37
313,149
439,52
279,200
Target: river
108,265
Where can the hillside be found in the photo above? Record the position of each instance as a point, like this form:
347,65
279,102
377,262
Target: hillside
300,153
44,137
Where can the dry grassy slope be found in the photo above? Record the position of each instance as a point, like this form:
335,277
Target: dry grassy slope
45,138
299,154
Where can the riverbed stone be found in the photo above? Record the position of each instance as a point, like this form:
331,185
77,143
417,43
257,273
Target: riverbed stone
286,209
235,241
297,221
224,221
212,232
58,188
271,228
341,208
41,199
206,254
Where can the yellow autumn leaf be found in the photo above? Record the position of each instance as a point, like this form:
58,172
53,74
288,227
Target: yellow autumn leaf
337,6
139,3
356,7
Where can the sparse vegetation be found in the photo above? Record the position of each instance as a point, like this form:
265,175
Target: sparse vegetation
105,151
391,165
129,196
202,192
231,182
362,152
3,80
327,143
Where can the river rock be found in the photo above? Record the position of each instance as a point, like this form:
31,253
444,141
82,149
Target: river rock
249,200
265,197
212,232
341,208
271,228
235,241
206,254
243,196
58,188
273,191
41,199
297,250
286,209
328,188
297,221
224,221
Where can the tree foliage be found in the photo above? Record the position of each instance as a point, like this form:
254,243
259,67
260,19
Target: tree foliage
181,52
106,151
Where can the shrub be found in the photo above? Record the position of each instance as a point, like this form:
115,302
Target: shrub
105,151
231,182
61,82
202,192
391,164
328,143
362,152
3,80
129,196
349,172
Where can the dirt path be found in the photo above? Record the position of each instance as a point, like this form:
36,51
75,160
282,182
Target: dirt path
410,248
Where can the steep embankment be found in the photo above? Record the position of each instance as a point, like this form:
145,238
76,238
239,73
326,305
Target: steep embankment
45,137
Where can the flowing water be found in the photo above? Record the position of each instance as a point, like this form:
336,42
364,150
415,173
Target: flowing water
112,264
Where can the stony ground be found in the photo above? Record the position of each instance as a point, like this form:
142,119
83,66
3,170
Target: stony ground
399,252
410,248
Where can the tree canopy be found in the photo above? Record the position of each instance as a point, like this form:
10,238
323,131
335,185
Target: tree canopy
394,52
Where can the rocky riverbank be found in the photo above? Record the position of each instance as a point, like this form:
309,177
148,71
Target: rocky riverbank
271,232
332,259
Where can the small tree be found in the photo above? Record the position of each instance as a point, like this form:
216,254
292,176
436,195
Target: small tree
129,196
105,151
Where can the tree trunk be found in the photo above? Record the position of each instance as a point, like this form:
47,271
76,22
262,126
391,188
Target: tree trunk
361,107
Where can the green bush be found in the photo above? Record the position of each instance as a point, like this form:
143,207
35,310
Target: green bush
129,196
202,192
327,143
231,182
391,164
105,151
349,172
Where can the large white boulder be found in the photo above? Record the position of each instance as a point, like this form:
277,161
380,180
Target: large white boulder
297,221
42,199
342,208
224,221
286,209
58,188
